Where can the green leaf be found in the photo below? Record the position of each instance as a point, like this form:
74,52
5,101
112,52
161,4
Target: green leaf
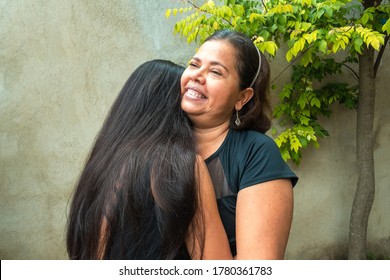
306,25
302,101
270,47
366,17
285,155
306,58
323,46
273,131
328,11
282,20
265,34
238,10
303,142
294,143
319,13
177,27
273,28
304,120
289,55
336,46
357,44
298,46
168,13
254,16
315,102
375,43
386,27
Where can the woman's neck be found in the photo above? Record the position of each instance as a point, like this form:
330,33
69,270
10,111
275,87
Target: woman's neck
208,140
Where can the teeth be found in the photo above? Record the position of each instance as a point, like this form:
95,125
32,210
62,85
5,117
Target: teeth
195,93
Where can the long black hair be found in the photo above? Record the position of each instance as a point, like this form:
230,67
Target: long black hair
256,114
137,195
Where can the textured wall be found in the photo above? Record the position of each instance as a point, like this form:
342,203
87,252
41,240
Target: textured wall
61,65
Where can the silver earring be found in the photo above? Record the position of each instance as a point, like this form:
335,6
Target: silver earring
237,121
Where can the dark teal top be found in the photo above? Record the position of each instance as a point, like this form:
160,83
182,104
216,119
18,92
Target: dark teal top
245,158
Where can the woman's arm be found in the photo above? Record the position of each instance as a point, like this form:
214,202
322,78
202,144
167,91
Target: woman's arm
216,245
263,220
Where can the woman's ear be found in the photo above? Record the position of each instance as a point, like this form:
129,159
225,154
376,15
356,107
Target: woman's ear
243,98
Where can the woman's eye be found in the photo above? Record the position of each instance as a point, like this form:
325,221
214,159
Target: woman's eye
215,72
192,64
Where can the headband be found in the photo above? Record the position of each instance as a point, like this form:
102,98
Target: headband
258,69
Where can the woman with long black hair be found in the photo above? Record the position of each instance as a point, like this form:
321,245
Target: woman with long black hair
144,193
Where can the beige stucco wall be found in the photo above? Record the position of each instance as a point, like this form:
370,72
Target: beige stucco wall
61,65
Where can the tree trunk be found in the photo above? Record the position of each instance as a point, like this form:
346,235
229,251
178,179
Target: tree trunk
364,196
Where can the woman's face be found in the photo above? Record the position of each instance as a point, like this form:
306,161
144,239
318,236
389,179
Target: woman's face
210,84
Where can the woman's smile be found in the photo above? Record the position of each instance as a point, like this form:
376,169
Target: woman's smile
193,93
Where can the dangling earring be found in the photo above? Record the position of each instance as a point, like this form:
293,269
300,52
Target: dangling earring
237,121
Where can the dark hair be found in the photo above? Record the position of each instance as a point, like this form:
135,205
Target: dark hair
139,178
256,114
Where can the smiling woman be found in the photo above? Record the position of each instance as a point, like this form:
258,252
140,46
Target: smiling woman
214,63
225,94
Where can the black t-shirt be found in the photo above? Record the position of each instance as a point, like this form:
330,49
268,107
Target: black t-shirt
245,158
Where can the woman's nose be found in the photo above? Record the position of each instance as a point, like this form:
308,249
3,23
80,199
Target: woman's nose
198,75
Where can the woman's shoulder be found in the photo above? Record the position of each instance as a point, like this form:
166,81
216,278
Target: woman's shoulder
252,137
241,143
262,158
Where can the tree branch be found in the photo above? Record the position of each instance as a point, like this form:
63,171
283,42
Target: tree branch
289,65
379,57
265,8
353,71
